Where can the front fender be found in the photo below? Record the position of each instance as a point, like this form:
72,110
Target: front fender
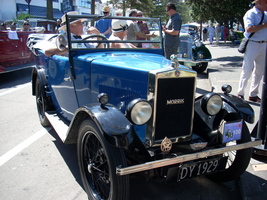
233,109
243,109
38,72
110,121
202,50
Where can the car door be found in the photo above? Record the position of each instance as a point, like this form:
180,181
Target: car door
62,85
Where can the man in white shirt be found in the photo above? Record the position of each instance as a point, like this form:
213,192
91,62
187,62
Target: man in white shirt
255,55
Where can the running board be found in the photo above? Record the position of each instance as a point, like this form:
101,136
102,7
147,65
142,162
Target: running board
180,159
58,124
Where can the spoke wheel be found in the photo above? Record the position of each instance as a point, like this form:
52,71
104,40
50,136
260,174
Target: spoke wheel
41,103
237,161
97,163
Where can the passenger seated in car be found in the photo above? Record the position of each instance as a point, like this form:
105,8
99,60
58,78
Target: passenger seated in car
76,29
119,32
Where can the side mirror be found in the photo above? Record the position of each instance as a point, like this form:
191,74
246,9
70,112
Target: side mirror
61,42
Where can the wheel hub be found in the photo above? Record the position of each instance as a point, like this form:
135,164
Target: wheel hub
90,167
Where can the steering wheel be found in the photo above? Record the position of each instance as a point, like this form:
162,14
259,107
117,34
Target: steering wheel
95,35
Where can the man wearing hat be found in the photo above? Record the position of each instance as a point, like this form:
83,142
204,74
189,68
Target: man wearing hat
119,32
76,29
104,25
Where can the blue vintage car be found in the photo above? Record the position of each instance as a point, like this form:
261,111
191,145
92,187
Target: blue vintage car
132,110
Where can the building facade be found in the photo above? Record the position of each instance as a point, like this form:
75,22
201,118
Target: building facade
37,8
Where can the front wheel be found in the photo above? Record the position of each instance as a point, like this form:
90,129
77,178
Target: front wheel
200,67
237,161
97,162
41,103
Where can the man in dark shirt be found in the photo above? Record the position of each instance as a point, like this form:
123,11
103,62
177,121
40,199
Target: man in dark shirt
172,31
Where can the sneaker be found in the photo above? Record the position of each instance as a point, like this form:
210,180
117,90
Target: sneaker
240,96
255,99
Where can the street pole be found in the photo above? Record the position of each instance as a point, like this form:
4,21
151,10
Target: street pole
263,110
29,7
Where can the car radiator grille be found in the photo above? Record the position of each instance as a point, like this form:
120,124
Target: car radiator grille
173,107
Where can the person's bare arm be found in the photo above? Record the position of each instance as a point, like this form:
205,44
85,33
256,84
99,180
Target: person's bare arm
255,28
107,31
54,51
147,36
170,32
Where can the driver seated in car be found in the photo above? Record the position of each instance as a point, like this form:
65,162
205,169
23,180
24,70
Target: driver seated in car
76,29
119,32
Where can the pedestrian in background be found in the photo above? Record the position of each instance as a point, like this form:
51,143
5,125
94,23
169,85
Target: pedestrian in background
143,28
218,32
172,31
255,21
134,31
104,25
58,24
211,32
225,32
118,12
205,33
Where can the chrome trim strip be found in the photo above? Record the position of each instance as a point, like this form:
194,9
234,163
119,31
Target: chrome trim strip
180,159
194,61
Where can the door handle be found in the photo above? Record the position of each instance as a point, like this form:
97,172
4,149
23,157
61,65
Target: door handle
68,79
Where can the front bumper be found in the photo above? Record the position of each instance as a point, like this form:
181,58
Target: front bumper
184,158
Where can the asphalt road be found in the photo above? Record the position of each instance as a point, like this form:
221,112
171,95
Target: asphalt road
35,164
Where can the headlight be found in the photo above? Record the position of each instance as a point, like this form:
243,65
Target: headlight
211,103
226,89
139,111
103,98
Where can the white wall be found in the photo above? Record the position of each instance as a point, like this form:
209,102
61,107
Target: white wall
7,9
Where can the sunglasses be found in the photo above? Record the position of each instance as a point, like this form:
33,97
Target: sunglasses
139,15
25,24
168,10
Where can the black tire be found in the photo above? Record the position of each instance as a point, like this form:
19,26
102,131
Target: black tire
201,67
41,103
237,162
97,162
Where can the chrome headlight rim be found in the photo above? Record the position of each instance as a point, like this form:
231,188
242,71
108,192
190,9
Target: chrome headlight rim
211,103
139,111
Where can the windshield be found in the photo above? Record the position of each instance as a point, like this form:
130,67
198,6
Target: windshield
189,29
121,36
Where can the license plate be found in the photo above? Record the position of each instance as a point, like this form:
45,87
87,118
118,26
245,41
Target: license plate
201,168
231,131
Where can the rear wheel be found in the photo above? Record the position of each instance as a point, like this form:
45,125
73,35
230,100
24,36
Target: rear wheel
97,162
237,161
41,103
200,67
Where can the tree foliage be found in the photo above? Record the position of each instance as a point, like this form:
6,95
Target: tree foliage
155,8
222,11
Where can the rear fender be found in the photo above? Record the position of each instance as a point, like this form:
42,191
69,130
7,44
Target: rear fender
114,126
